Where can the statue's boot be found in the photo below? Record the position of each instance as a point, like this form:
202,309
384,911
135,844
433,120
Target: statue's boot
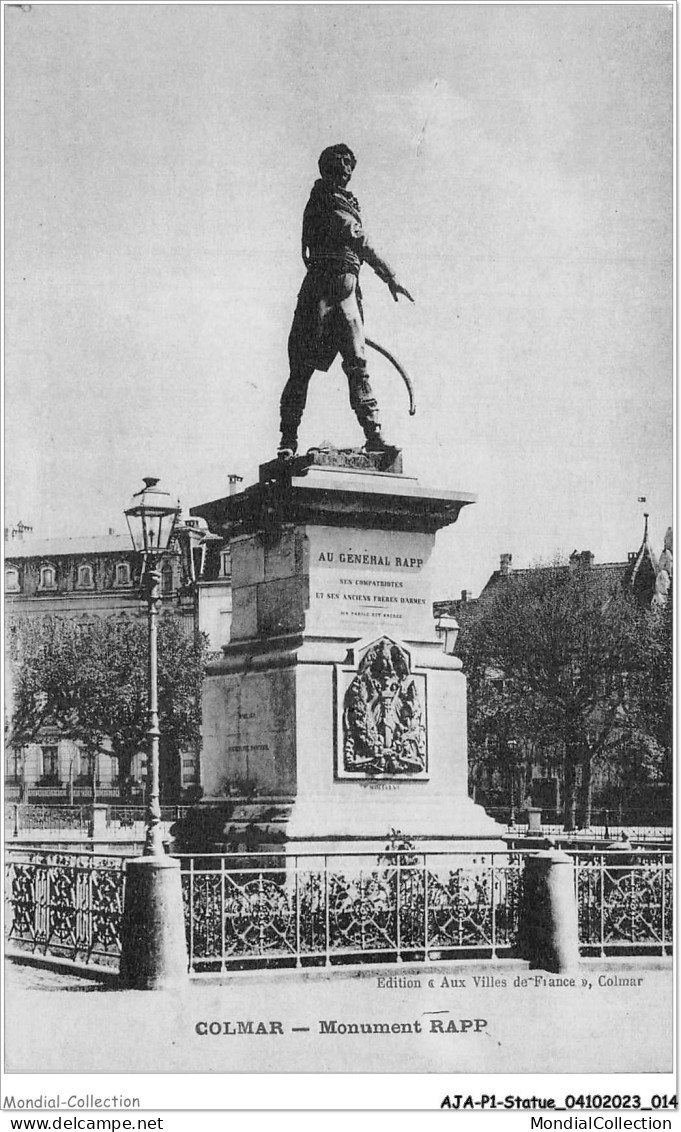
375,441
290,420
288,446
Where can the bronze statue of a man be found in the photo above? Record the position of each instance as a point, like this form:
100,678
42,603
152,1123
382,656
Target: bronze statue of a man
328,319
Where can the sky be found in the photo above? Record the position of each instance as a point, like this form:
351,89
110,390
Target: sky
515,169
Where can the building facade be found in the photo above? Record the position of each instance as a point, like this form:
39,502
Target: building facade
85,579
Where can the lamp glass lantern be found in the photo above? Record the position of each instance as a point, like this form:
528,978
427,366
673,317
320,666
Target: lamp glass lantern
192,542
447,629
151,519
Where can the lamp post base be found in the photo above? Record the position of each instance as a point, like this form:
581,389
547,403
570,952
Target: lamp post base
153,944
550,938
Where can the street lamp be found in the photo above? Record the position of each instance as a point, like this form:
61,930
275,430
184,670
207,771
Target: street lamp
153,944
151,519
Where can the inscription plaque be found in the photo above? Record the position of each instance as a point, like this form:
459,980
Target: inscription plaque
361,581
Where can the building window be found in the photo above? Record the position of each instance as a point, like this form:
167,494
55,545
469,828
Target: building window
48,578
86,766
12,584
167,578
14,765
85,580
190,769
50,763
122,574
225,564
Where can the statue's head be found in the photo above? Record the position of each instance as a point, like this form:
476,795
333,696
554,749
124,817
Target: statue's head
336,164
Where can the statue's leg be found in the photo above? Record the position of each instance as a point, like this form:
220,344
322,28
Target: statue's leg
292,406
353,351
307,332
362,400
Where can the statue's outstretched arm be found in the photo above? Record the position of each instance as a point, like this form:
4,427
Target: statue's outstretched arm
384,272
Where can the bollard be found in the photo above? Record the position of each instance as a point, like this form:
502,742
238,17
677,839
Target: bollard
153,944
534,820
549,935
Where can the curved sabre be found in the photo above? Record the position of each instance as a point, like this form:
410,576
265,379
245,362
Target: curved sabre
400,369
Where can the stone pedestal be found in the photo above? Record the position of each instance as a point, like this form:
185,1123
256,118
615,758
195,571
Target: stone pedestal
334,715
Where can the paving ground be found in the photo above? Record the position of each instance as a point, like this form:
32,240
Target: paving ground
467,1017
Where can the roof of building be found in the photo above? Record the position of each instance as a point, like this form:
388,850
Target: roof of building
613,571
637,574
60,547
642,567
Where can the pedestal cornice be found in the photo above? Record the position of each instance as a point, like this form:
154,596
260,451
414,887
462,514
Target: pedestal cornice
302,491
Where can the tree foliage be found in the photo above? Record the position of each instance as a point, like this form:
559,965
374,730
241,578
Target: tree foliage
560,657
89,680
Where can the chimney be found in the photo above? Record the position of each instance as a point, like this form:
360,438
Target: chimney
583,558
234,482
465,595
505,564
19,530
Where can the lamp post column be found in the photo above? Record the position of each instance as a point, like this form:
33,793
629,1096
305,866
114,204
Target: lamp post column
154,952
511,748
154,842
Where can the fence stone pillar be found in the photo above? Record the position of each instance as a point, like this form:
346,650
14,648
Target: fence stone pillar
97,827
549,928
153,943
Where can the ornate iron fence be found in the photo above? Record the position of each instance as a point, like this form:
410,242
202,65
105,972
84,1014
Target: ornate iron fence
640,834
625,901
131,813
271,911
20,817
308,909
47,817
67,905
125,816
605,825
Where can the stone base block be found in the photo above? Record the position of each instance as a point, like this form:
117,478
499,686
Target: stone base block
289,826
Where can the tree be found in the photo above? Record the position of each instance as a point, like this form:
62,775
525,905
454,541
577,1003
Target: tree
90,681
657,696
648,761
503,729
571,655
